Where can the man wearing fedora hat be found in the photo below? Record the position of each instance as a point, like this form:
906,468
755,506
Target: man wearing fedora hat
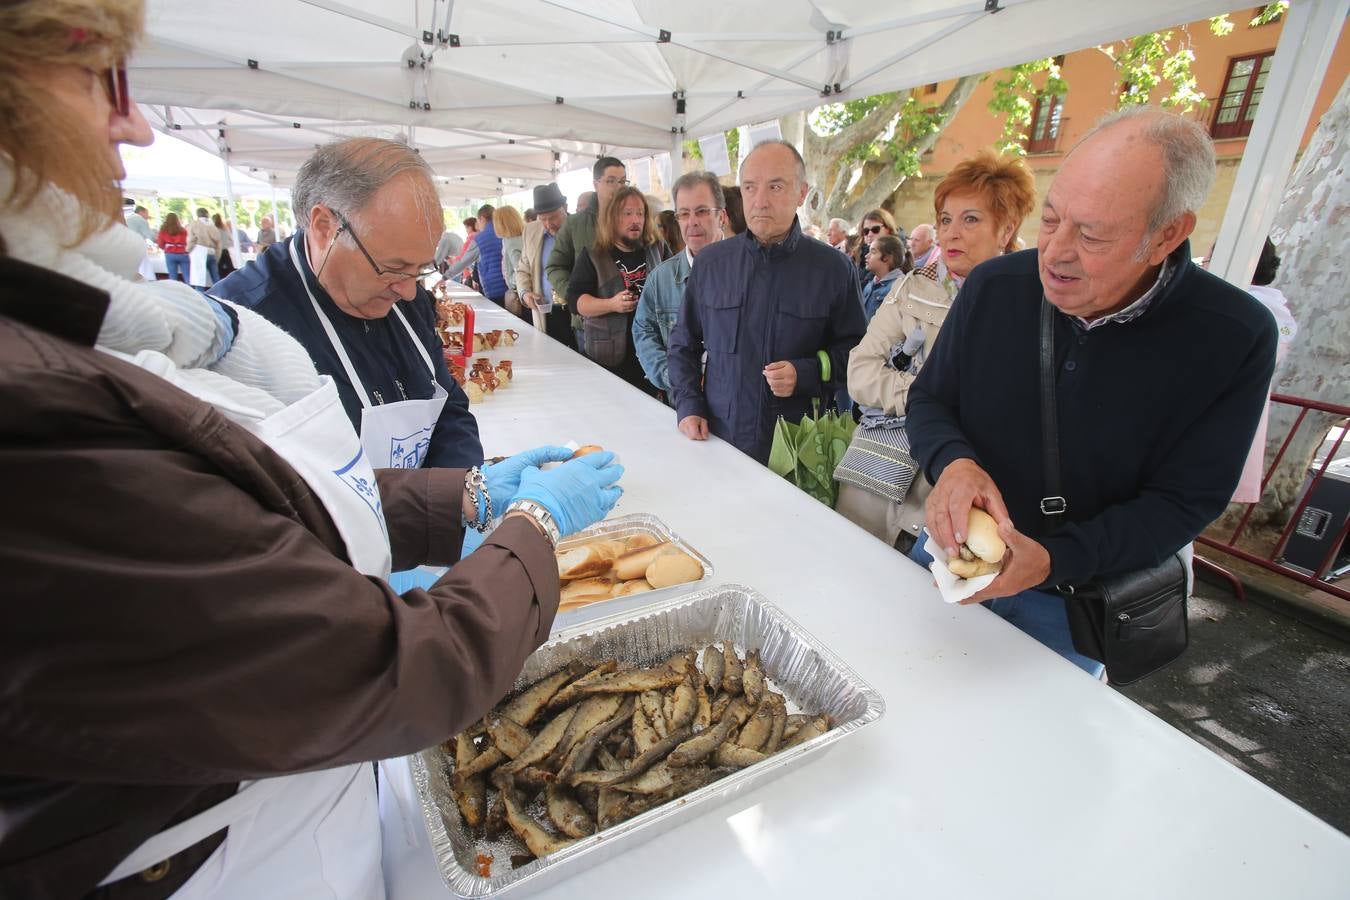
532,281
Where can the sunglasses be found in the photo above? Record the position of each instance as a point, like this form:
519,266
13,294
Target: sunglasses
115,86
872,229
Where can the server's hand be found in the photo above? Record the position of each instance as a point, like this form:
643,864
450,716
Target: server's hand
578,493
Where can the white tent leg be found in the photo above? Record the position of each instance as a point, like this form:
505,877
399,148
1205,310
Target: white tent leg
236,256
676,160
1309,36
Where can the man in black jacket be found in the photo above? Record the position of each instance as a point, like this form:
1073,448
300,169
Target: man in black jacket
1161,373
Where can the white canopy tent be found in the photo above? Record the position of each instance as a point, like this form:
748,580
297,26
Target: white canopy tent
502,95
179,169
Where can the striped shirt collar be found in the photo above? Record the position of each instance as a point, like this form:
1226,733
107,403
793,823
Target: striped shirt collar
1138,307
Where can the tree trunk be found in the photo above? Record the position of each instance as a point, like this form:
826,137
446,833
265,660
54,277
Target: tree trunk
879,179
1312,232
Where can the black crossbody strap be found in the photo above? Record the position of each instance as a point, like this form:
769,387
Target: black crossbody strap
1053,505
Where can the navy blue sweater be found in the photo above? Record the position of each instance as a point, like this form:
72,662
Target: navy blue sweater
1156,415
380,349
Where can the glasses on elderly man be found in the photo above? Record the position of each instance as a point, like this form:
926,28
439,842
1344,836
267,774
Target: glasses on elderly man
389,275
872,229
701,212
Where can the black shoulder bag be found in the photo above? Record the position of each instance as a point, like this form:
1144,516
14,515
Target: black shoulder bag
1134,623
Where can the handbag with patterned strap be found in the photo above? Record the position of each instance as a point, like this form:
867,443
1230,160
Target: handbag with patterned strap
878,461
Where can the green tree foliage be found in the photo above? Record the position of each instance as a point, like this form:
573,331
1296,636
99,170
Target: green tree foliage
1143,64
1015,94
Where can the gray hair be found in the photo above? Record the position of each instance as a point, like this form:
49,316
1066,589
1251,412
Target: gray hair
923,228
690,180
842,223
779,142
344,175
1188,159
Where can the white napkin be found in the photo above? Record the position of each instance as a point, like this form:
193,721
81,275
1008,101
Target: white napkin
953,588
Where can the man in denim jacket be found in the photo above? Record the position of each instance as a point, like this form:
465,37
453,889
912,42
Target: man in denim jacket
700,208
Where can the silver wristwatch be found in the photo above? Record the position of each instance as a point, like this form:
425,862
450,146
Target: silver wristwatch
540,514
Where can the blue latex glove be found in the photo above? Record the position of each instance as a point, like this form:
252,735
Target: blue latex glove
578,493
503,478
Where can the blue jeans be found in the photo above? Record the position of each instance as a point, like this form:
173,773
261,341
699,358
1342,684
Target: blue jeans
178,266
1037,613
212,269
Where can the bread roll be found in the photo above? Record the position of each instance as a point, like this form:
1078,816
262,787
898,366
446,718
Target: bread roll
586,590
588,560
983,545
673,566
634,563
586,448
624,588
982,536
638,541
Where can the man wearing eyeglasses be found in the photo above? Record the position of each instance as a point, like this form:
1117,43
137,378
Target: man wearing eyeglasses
776,314
700,208
348,287
578,233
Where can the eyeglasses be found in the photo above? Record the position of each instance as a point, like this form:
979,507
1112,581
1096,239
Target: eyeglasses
701,212
389,275
872,229
115,86
611,181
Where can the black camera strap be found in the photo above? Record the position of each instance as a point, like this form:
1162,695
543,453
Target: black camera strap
1053,504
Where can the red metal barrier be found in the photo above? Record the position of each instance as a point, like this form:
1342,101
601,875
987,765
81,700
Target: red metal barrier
1270,562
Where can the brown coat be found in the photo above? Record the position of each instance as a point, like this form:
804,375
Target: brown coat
179,614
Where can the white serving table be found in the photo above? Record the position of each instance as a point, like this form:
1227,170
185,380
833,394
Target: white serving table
999,769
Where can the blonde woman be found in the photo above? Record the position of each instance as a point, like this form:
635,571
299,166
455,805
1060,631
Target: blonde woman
980,205
510,225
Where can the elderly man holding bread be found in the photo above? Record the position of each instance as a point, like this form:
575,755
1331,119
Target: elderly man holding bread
1156,369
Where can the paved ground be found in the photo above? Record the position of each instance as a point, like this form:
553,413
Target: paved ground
1267,693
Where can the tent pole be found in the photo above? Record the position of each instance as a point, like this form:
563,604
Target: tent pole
235,253
676,160
1309,36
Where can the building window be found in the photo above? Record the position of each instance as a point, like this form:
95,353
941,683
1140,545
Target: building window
1044,135
930,88
1241,95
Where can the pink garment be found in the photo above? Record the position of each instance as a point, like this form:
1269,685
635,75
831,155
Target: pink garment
1249,485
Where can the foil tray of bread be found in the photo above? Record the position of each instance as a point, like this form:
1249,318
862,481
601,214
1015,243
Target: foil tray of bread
611,576
727,642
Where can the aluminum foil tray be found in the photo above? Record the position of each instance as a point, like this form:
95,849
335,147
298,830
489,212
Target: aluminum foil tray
810,677
624,527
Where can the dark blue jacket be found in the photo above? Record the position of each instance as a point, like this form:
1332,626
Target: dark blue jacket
490,262
379,348
1156,415
747,306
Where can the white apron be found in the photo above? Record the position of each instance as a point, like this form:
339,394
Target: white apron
395,435
197,274
316,835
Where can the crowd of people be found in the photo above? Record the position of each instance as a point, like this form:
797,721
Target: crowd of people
202,251
199,673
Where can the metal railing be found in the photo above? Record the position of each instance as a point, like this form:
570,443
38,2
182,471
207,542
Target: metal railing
1273,560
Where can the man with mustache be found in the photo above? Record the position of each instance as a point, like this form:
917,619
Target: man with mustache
608,279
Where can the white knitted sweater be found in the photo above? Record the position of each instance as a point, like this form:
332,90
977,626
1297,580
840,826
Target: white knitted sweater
259,372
